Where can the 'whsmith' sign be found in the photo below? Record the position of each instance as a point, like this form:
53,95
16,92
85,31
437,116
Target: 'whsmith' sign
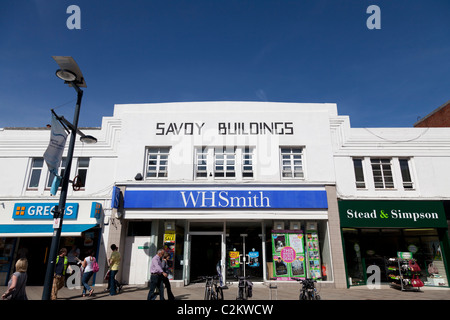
261,198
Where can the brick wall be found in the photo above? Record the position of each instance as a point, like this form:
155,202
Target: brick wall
438,118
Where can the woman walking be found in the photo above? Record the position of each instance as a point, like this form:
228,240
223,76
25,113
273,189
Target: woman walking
87,273
17,283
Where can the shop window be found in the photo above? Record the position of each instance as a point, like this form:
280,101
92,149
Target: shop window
292,162
35,174
157,162
359,173
312,253
406,174
382,173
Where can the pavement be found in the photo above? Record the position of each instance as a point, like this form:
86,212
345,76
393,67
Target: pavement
261,292
265,303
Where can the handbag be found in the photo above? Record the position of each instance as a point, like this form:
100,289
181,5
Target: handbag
107,275
416,282
413,266
95,266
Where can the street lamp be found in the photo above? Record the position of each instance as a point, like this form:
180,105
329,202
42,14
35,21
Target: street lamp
71,74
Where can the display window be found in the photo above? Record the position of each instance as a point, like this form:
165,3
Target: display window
302,252
7,246
375,246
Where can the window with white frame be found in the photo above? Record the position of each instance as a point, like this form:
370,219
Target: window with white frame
157,162
406,174
201,162
224,162
82,169
382,173
51,176
359,173
292,162
35,174
247,162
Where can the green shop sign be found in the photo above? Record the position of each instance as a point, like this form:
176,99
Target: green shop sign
392,214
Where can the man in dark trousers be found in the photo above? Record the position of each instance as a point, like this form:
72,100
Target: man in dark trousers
60,272
156,280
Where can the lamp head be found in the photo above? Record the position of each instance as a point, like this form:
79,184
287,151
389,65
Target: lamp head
88,139
69,71
66,75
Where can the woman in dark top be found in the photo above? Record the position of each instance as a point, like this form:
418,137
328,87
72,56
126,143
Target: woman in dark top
17,283
165,267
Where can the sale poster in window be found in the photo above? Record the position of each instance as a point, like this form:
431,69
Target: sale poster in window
288,254
169,247
313,252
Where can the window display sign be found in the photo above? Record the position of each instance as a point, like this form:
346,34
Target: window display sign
253,259
169,247
234,259
313,255
288,254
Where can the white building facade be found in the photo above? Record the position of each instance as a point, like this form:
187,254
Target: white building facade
245,186
393,191
252,188
26,218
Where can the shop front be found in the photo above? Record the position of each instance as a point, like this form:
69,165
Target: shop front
27,233
375,231
242,230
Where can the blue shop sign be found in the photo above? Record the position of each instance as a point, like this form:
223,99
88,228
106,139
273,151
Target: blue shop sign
226,199
42,211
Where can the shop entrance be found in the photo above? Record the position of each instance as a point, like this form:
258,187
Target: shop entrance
36,251
206,252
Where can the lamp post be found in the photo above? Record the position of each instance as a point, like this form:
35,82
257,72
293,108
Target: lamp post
72,76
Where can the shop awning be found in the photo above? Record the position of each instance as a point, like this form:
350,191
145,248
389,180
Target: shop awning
41,230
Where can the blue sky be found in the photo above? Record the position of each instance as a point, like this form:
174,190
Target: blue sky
206,50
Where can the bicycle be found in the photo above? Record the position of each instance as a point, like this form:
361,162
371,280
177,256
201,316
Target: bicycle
308,290
244,288
212,290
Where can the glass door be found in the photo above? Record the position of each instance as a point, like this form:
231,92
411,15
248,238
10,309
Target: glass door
186,259
244,250
203,252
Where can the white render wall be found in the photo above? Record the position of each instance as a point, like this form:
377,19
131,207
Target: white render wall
310,126
19,145
428,149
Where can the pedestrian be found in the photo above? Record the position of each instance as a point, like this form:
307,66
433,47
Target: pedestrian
156,274
17,284
165,267
74,255
60,272
88,271
114,262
